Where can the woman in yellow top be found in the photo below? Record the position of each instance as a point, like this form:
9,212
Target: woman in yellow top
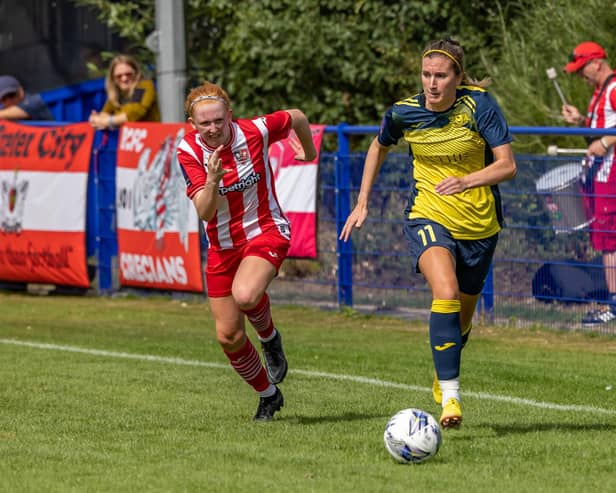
460,149
130,97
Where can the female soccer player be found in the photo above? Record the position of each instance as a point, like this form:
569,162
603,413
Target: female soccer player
230,182
460,149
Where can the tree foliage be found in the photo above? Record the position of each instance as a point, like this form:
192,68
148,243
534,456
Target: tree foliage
348,60
339,60
542,37
133,20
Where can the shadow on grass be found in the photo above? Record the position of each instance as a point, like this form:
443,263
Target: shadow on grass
513,428
345,417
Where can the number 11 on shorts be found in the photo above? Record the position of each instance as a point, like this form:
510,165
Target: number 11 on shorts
427,234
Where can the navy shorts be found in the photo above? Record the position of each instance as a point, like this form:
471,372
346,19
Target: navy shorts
473,257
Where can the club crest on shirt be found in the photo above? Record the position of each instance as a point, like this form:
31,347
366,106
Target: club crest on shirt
460,116
241,155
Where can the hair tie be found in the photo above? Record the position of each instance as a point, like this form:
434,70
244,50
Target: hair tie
204,98
447,54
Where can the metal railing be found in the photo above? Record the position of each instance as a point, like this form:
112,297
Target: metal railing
373,268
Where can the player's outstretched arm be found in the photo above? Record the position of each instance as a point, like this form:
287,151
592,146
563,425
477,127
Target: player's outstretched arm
374,159
301,125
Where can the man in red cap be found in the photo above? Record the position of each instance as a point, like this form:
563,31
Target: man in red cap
589,61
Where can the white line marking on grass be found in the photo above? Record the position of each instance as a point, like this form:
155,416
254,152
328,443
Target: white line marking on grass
331,376
114,354
477,395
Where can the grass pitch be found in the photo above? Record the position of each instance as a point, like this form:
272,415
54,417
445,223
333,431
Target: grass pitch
102,394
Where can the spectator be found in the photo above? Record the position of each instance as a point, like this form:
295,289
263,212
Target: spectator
18,104
230,182
589,61
130,97
460,149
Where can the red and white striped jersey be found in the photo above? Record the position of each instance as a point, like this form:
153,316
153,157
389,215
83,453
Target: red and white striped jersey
602,107
247,203
602,114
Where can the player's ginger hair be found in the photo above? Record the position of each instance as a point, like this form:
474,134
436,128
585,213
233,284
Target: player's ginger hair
204,92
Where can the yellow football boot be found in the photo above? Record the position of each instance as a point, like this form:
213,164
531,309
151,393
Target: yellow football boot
452,414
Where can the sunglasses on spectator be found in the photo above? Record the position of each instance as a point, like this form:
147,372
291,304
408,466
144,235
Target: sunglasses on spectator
128,75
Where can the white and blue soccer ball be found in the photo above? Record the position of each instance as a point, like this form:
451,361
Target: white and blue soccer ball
412,436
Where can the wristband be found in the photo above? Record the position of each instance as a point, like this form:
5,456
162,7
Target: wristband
110,122
605,146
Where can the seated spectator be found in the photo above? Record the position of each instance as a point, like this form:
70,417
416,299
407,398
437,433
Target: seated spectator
16,104
130,97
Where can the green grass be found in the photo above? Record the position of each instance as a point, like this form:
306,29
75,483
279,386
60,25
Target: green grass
73,419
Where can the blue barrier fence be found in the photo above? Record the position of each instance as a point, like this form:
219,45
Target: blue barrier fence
101,234
374,263
373,269
345,186
74,103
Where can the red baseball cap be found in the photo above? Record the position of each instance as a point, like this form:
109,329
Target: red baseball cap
582,54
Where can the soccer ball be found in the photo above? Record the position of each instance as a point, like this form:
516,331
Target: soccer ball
412,436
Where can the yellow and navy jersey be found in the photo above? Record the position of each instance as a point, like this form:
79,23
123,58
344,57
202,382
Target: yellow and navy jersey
455,142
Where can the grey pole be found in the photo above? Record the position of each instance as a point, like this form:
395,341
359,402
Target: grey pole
170,46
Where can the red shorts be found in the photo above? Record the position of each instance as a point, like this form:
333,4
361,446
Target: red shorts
603,233
223,264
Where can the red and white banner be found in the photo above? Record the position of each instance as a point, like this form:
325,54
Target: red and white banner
296,187
158,227
43,187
